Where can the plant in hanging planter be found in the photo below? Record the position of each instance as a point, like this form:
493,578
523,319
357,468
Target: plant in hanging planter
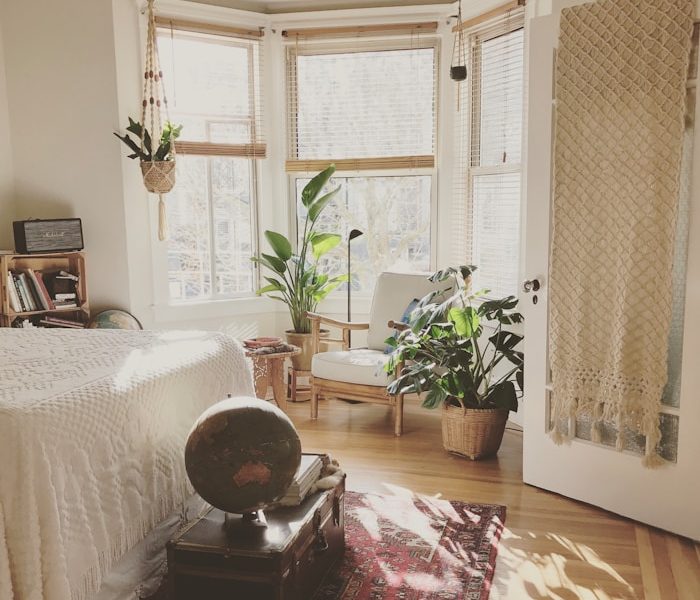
164,151
295,277
157,165
451,360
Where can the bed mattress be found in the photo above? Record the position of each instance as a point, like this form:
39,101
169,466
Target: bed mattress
92,430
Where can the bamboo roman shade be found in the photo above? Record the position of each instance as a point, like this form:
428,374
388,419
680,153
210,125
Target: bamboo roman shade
487,183
222,115
362,98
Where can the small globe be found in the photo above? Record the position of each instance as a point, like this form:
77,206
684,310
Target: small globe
242,455
114,319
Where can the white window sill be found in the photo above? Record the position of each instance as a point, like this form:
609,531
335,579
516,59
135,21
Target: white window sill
214,309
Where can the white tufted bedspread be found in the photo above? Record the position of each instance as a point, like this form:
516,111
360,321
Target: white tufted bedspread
92,431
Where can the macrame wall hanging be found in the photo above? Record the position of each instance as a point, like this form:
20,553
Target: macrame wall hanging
156,147
621,76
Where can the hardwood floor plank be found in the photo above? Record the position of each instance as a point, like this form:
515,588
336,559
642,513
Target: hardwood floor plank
552,547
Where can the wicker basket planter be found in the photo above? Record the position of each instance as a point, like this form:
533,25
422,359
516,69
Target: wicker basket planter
158,175
474,433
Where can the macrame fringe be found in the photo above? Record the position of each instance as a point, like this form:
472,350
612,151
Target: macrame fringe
162,219
638,410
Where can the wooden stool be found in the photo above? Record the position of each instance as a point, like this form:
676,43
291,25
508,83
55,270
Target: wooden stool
296,392
268,369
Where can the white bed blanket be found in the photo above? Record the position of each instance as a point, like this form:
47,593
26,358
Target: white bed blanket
92,431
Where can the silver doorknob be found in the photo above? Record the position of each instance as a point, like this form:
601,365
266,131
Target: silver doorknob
531,285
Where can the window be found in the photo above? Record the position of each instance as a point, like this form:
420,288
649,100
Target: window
213,88
368,105
489,169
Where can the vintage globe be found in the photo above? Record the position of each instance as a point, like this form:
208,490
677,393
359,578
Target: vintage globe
242,454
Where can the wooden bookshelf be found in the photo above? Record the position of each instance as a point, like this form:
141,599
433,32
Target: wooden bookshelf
72,262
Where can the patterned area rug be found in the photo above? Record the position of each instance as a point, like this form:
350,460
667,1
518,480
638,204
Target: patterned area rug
415,548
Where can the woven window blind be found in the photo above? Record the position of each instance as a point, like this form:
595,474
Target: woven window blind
365,103
487,193
222,113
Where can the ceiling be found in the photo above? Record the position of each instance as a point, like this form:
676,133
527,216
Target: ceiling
287,6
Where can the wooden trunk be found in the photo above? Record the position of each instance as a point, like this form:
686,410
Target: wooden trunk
287,560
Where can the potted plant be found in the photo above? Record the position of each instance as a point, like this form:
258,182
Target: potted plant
295,277
453,357
157,167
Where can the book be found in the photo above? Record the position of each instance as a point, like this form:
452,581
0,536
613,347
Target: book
62,297
40,299
18,289
62,324
44,291
308,473
12,294
26,294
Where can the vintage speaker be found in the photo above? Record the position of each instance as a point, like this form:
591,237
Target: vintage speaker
48,235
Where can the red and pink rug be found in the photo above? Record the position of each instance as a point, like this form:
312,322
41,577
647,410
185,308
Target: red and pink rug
407,547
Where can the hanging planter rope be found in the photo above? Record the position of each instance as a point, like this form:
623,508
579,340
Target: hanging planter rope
156,147
158,175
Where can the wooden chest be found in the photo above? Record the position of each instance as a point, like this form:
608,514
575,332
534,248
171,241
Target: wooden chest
286,560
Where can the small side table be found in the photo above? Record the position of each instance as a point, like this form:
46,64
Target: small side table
268,369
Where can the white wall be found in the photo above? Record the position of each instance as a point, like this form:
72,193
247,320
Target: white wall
62,94
7,205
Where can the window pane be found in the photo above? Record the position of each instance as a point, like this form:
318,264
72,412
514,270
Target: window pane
394,214
208,86
224,183
365,104
233,225
189,263
500,101
496,230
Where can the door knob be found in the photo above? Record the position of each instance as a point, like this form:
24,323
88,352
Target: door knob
531,285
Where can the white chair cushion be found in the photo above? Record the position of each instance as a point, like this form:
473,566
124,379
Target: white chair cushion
361,366
392,295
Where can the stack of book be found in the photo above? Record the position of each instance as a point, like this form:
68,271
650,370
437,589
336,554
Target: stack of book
35,291
308,473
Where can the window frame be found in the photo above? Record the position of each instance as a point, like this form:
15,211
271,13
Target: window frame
249,152
473,125
358,169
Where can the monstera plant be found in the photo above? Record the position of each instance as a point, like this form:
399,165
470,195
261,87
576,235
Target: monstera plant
295,277
459,353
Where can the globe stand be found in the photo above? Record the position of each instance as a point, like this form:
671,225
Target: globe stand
244,524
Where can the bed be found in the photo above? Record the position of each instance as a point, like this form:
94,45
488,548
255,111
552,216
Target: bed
92,431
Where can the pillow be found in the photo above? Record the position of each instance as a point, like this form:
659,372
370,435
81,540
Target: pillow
406,317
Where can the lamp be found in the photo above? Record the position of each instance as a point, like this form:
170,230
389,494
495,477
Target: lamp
355,233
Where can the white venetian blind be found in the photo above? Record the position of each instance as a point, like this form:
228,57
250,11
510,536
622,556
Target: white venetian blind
488,178
364,100
213,79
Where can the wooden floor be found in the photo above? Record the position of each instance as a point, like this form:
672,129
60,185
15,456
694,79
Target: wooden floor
553,547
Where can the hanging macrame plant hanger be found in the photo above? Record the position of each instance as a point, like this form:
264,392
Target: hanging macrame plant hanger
158,173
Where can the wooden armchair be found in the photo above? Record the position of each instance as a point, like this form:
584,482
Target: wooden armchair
358,374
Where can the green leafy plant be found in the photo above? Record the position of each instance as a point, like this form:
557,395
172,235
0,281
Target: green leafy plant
448,354
296,279
165,145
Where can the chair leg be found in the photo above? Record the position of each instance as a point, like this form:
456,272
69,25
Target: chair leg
398,415
314,399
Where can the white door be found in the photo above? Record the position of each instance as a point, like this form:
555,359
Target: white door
667,497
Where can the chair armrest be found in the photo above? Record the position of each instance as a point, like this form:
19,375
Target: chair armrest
397,325
336,323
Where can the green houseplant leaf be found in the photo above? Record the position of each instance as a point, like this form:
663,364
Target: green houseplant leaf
314,187
280,244
322,243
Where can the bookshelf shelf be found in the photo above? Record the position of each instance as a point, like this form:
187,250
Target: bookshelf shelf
72,262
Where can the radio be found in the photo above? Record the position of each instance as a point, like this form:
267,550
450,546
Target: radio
48,235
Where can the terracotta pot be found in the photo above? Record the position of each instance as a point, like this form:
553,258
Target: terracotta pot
474,433
302,362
